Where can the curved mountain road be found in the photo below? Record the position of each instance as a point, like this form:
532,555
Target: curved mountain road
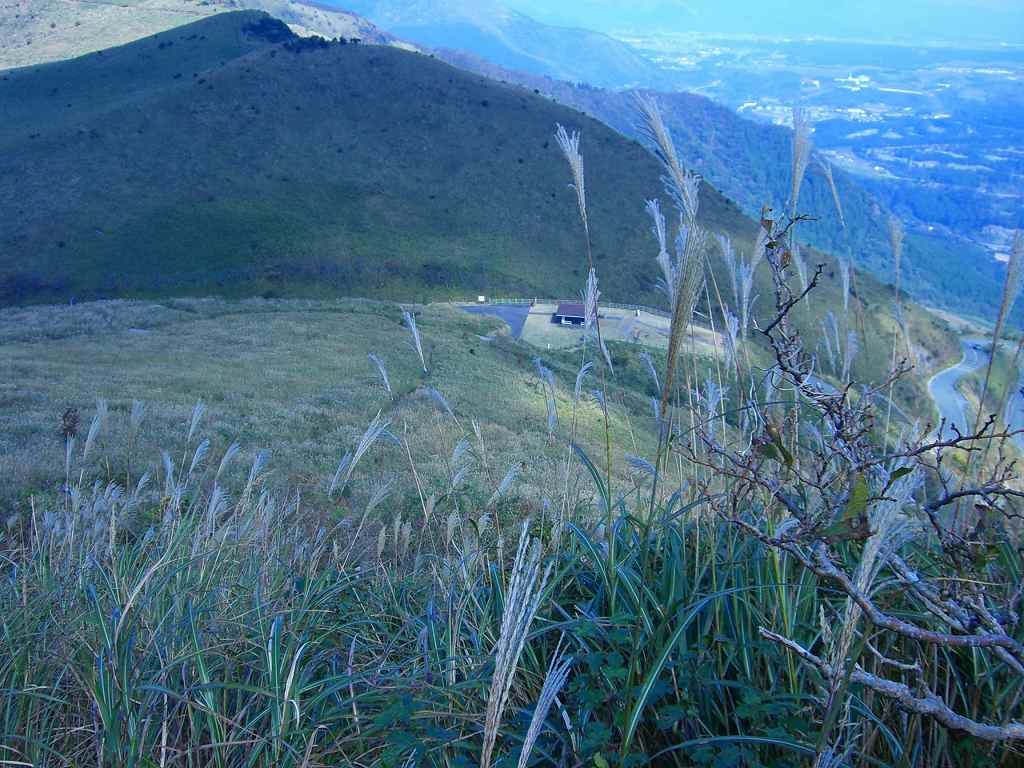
952,405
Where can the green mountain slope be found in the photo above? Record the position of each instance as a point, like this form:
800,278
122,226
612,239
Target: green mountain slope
215,158
748,161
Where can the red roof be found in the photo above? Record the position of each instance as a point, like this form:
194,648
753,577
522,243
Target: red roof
571,310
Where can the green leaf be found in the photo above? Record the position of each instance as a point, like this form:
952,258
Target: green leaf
896,475
858,503
602,488
652,675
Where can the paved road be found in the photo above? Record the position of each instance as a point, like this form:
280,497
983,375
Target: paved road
952,405
1014,416
513,314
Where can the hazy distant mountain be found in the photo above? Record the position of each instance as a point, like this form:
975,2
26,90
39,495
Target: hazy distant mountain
908,20
493,30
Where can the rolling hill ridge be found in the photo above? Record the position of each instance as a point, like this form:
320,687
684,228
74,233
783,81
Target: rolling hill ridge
500,34
230,156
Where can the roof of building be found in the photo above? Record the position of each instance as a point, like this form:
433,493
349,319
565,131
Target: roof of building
571,310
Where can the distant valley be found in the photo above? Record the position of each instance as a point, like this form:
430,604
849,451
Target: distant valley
934,132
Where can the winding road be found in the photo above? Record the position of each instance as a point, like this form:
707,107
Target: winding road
952,405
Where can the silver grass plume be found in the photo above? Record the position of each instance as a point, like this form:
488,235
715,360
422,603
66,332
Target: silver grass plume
826,168
197,415
99,419
683,277
552,413
1011,290
138,412
651,370
197,458
503,487
801,155
382,370
690,246
834,326
746,277
349,461
849,354
826,338
440,399
732,330
378,495
170,485
712,399
590,299
570,146
525,588
461,462
658,220
801,267
547,378
682,185
580,377
410,322
844,273
229,455
731,264
558,674
641,464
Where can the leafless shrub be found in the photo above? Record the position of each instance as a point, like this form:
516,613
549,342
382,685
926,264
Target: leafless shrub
819,495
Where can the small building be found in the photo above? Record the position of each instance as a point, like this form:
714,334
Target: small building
570,314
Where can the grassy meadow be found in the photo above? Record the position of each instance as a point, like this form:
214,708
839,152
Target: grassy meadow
290,377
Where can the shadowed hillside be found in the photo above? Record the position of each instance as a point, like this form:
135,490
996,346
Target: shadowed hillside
230,157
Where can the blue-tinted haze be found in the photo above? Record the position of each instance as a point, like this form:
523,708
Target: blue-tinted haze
907,20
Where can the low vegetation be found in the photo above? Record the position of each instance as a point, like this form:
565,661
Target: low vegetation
625,557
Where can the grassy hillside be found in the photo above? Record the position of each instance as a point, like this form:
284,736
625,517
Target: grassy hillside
291,377
223,161
51,30
750,162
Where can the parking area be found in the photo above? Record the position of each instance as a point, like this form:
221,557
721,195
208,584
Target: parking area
514,315
534,325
